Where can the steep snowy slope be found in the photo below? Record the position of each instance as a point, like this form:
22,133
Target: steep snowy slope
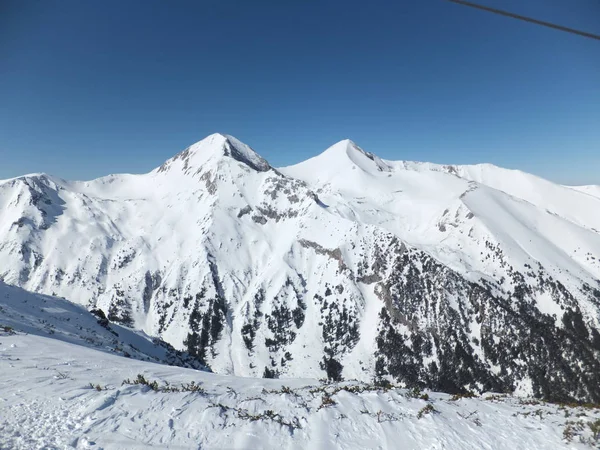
562,200
55,394
41,315
345,266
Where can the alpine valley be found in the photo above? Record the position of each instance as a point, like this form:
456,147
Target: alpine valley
345,266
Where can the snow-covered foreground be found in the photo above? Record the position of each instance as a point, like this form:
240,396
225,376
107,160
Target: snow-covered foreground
46,401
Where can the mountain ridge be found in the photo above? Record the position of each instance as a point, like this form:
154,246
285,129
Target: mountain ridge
345,266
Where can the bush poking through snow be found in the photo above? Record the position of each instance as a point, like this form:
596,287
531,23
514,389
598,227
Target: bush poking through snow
268,415
427,409
416,393
186,387
326,401
143,381
283,390
595,428
529,402
563,405
467,394
576,429
572,429
496,397
189,387
8,330
383,384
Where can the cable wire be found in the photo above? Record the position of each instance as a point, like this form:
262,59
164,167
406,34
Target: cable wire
526,19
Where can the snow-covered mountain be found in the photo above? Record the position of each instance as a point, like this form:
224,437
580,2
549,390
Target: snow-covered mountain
346,266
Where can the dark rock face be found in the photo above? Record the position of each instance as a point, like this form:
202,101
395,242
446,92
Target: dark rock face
435,329
120,308
207,320
486,341
233,149
102,320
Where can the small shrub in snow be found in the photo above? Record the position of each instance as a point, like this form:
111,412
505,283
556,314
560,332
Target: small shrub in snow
326,401
427,409
416,393
529,402
384,384
563,405
496,397
269,414
283,390
190,387
467,394
8,330
572,429
186,387
476,420
413,393
595,428
141,380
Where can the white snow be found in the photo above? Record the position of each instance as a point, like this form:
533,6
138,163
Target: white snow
46,401
593,190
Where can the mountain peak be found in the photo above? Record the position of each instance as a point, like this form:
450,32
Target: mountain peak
348,149
215,147
339,160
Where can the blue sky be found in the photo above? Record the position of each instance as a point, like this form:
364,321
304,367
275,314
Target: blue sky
89,88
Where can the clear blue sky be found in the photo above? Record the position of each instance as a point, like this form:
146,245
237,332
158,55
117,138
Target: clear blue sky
89,88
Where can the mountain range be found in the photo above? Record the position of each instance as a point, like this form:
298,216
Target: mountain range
345,266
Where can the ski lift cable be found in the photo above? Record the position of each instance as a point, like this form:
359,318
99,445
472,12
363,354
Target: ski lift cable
526,19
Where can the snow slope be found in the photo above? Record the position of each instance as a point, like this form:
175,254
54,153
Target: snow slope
62,320
416,201
343,266
591,190
55,394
